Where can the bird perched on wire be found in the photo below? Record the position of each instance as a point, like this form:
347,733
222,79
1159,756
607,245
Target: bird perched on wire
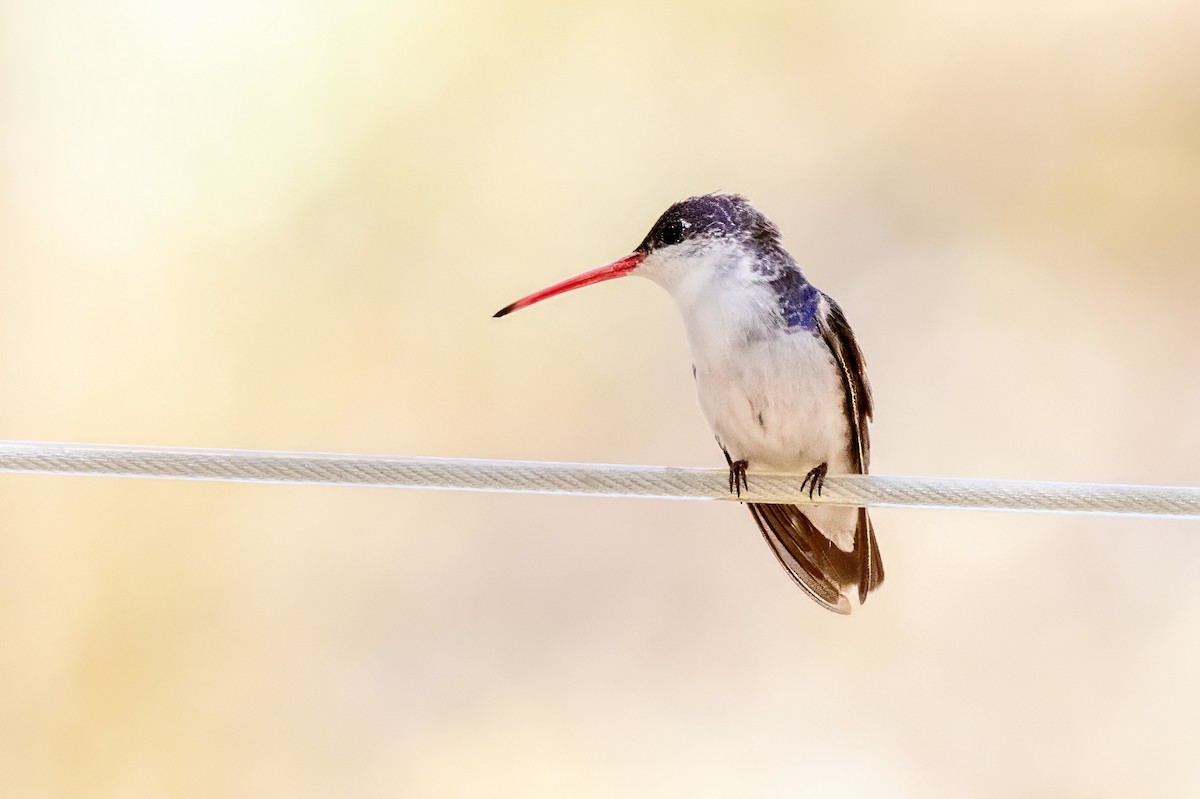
779,375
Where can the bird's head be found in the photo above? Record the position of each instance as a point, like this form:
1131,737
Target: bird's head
693,238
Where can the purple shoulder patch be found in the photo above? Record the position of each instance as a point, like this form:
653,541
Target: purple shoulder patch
799,300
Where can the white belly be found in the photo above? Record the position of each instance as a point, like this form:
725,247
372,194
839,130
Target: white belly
776,402
773,396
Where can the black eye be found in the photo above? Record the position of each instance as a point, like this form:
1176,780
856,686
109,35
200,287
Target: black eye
672,232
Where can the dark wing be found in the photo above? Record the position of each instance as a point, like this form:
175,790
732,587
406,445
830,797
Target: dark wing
838,336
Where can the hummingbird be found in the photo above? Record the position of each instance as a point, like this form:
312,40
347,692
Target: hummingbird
779,375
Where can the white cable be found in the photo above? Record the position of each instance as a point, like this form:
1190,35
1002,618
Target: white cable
664,482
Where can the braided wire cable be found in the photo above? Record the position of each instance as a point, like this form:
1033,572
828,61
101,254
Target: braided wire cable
661,482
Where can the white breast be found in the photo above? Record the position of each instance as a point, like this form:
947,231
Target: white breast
774,401
772,395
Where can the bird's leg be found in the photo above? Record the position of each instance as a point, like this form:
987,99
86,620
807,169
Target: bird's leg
737,477
815,480
737,473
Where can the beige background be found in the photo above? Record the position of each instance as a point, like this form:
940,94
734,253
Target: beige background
287,225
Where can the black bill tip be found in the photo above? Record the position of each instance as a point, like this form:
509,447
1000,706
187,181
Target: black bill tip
505,311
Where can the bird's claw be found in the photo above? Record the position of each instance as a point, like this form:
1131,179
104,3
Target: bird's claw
737,477
815,480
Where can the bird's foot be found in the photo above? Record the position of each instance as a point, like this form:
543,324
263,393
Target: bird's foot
737,477
815,480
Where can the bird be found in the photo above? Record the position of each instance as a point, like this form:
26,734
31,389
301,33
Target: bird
779,375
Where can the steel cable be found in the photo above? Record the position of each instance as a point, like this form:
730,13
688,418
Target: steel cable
662,482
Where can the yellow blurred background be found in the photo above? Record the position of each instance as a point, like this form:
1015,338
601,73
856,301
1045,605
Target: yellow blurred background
286,226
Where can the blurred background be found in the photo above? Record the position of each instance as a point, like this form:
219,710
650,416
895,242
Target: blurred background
287,225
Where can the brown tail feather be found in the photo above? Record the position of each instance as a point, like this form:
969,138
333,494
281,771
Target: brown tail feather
870,562
814,562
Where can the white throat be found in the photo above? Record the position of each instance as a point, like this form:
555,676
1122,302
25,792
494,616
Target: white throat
724,302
